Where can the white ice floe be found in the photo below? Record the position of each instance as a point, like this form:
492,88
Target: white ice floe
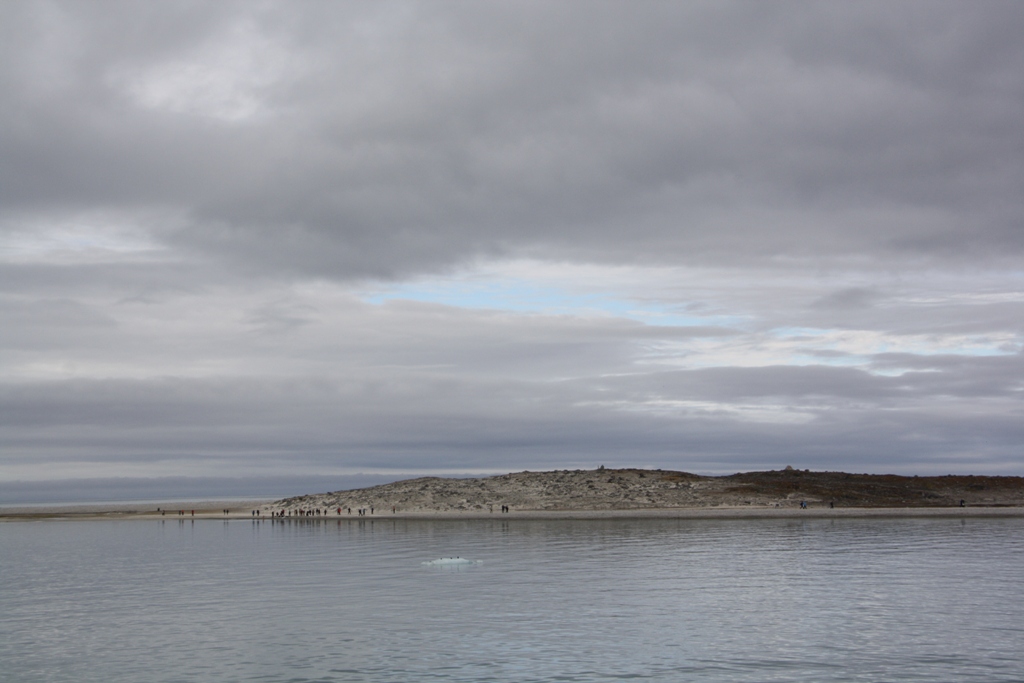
449,561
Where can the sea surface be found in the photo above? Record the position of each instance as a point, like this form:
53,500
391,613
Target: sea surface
594,600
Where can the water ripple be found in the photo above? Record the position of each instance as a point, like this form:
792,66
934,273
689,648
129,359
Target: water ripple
649,600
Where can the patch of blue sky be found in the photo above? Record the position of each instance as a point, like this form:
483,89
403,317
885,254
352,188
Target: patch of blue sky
845,361
525,297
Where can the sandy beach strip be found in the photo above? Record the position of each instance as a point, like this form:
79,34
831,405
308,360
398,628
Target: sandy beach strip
207,510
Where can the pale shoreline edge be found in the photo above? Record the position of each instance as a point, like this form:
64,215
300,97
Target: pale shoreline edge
204,513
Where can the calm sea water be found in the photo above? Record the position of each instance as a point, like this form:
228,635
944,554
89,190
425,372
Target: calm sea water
651,600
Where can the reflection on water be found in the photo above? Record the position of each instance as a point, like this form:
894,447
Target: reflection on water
658,600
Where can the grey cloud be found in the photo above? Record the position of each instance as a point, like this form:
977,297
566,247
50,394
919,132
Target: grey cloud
415,136
407,420
853,297
922,378
49,323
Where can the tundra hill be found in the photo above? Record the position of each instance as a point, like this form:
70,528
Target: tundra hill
624,489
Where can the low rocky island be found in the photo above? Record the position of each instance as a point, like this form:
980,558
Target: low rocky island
606,493
622,490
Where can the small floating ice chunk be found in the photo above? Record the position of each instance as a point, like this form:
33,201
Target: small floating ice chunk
450,561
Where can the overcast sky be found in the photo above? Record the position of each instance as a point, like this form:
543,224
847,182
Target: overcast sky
299,239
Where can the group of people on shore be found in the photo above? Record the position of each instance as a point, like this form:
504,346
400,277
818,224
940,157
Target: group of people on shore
181,513
321,512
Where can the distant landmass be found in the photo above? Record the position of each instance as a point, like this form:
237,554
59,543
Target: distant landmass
629,489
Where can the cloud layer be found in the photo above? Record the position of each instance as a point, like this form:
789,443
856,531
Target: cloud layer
261,239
